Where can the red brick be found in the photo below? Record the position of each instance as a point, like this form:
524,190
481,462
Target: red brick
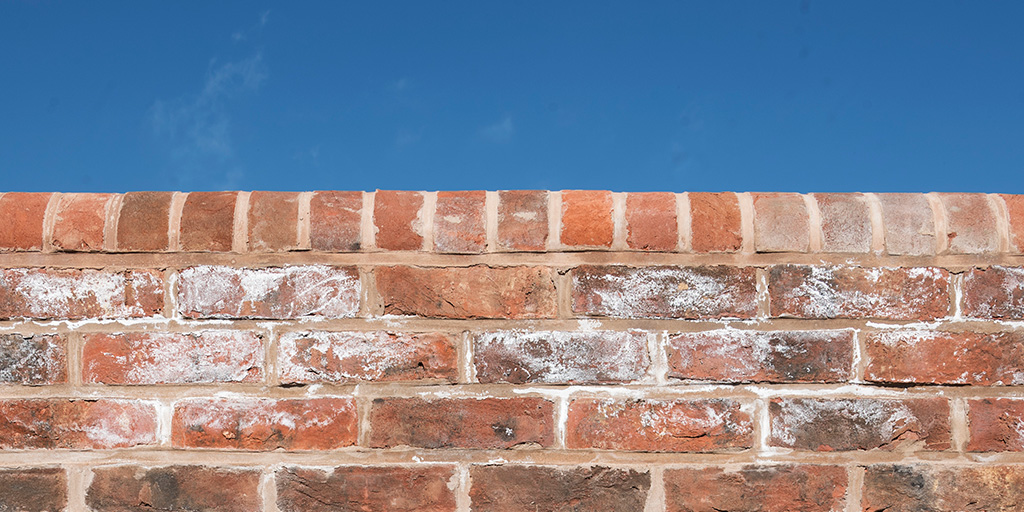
32,360
996,424
23,213
994,292
336,221
173,358
651,223
143,220
950,358
264,424
731,355
927,488
383,488
136,488
659,425
461,423
845,223
50,423
208,221
561,357
398,218
909,224
523,220
318,356
33,489
273,221
664,292
76,294
468,292
970,224
859,424
517,488
715,222
1015,216
781,223
756,488
459,222
803,291
78,222
271,292
587,218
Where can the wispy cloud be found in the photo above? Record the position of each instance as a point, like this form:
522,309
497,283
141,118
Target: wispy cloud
501,131
243,34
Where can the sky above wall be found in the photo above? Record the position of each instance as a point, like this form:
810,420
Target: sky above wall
629,96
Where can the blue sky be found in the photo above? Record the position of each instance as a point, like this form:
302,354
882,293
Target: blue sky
682,96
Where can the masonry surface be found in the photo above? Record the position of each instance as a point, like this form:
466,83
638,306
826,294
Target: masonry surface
511,351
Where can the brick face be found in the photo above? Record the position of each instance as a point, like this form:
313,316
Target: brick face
398,219
539,488
79,222
587,218
952,358
143,221
461,423
121,488
757,488
859,424
76,294
173,358
391,488
33,360
917,487
994,292
781,223
845,223
909,224
319,356
76,424
459,224
24,213
715,222
555,357
336,221
208,221
522,220
651,223
273,221
33,489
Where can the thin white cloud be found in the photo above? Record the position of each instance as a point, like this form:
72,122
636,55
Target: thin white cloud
501,131
243,34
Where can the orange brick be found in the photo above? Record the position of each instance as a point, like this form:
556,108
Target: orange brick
459,222
909,224
273,221
79,221
124,488
398,217
461,423
587,218
336,221
23,213
781,223
770,488
208,221
970,224
651,223
50,423
845,223
1015,216
715,222
523,220
142,223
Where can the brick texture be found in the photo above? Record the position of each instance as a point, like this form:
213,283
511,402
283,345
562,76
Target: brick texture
273,221
522,220
24,213
122,488
845,223
398,220
757,488
559,357
208,221
173,358
587,218
549,489
994,292
33,360
459,225
909,224
79,222
918,487
76,294
33,489
319,356
461,423
715,222
781,223
391,488
859,424
952,358
76,424
143,222
651,223
336,221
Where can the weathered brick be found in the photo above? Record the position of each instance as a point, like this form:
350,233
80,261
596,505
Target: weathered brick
587,218
335,221
33,489
659,425
468,292
970,223
398,217
1015,217
173,358
78,222
318,356
75,294
142,224
783,488
950,358
859,424
996,424
803,291
730,355
461,423
264,424
781,223
23,213
459,222
561,357
845,223
32,360
715,222
208,221
523,220
994,292
273,221
271,292
934,488
137,488
423,488
909,224
651,223
664,292
50,423
516,488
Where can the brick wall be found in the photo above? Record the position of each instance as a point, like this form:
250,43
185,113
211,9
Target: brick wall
511,351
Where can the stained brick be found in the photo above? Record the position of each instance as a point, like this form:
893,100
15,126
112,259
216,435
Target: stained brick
516,488
803,291
561,357
996,425
523,220
461,423
651,223
75,294
845,223
273,221
950,358
994,292
78,222
781,223
924,487
659,425
208,221
398,217
143,221
384,488
1015,217
859,424
335,221
33,359
715,222
909,224
459,222
23,214
664,292
264,424
136,488
50,423
971,223
33,489
782,488
587,218
173,358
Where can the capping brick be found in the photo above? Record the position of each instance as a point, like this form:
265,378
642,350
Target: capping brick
398,217
783,488
391,488
994,292
996,425
318,356
264,424
970,224
495,423
173,358
561,357
659,425
208,222
79,220
845,223
587,218
523,220
143,222
336,221
859,424
273,221
781,223
33,360
651,223
909,224
735,356
947,358
33,489
515,488
664,292
1015,218
49,423
23,214
715,222
77,294
928,487
459,222
124,488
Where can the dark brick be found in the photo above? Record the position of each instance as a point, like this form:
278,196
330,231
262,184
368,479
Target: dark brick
859,424
135,488
789,488
358,488
143,222
549,489
461,423
33,360
940,488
